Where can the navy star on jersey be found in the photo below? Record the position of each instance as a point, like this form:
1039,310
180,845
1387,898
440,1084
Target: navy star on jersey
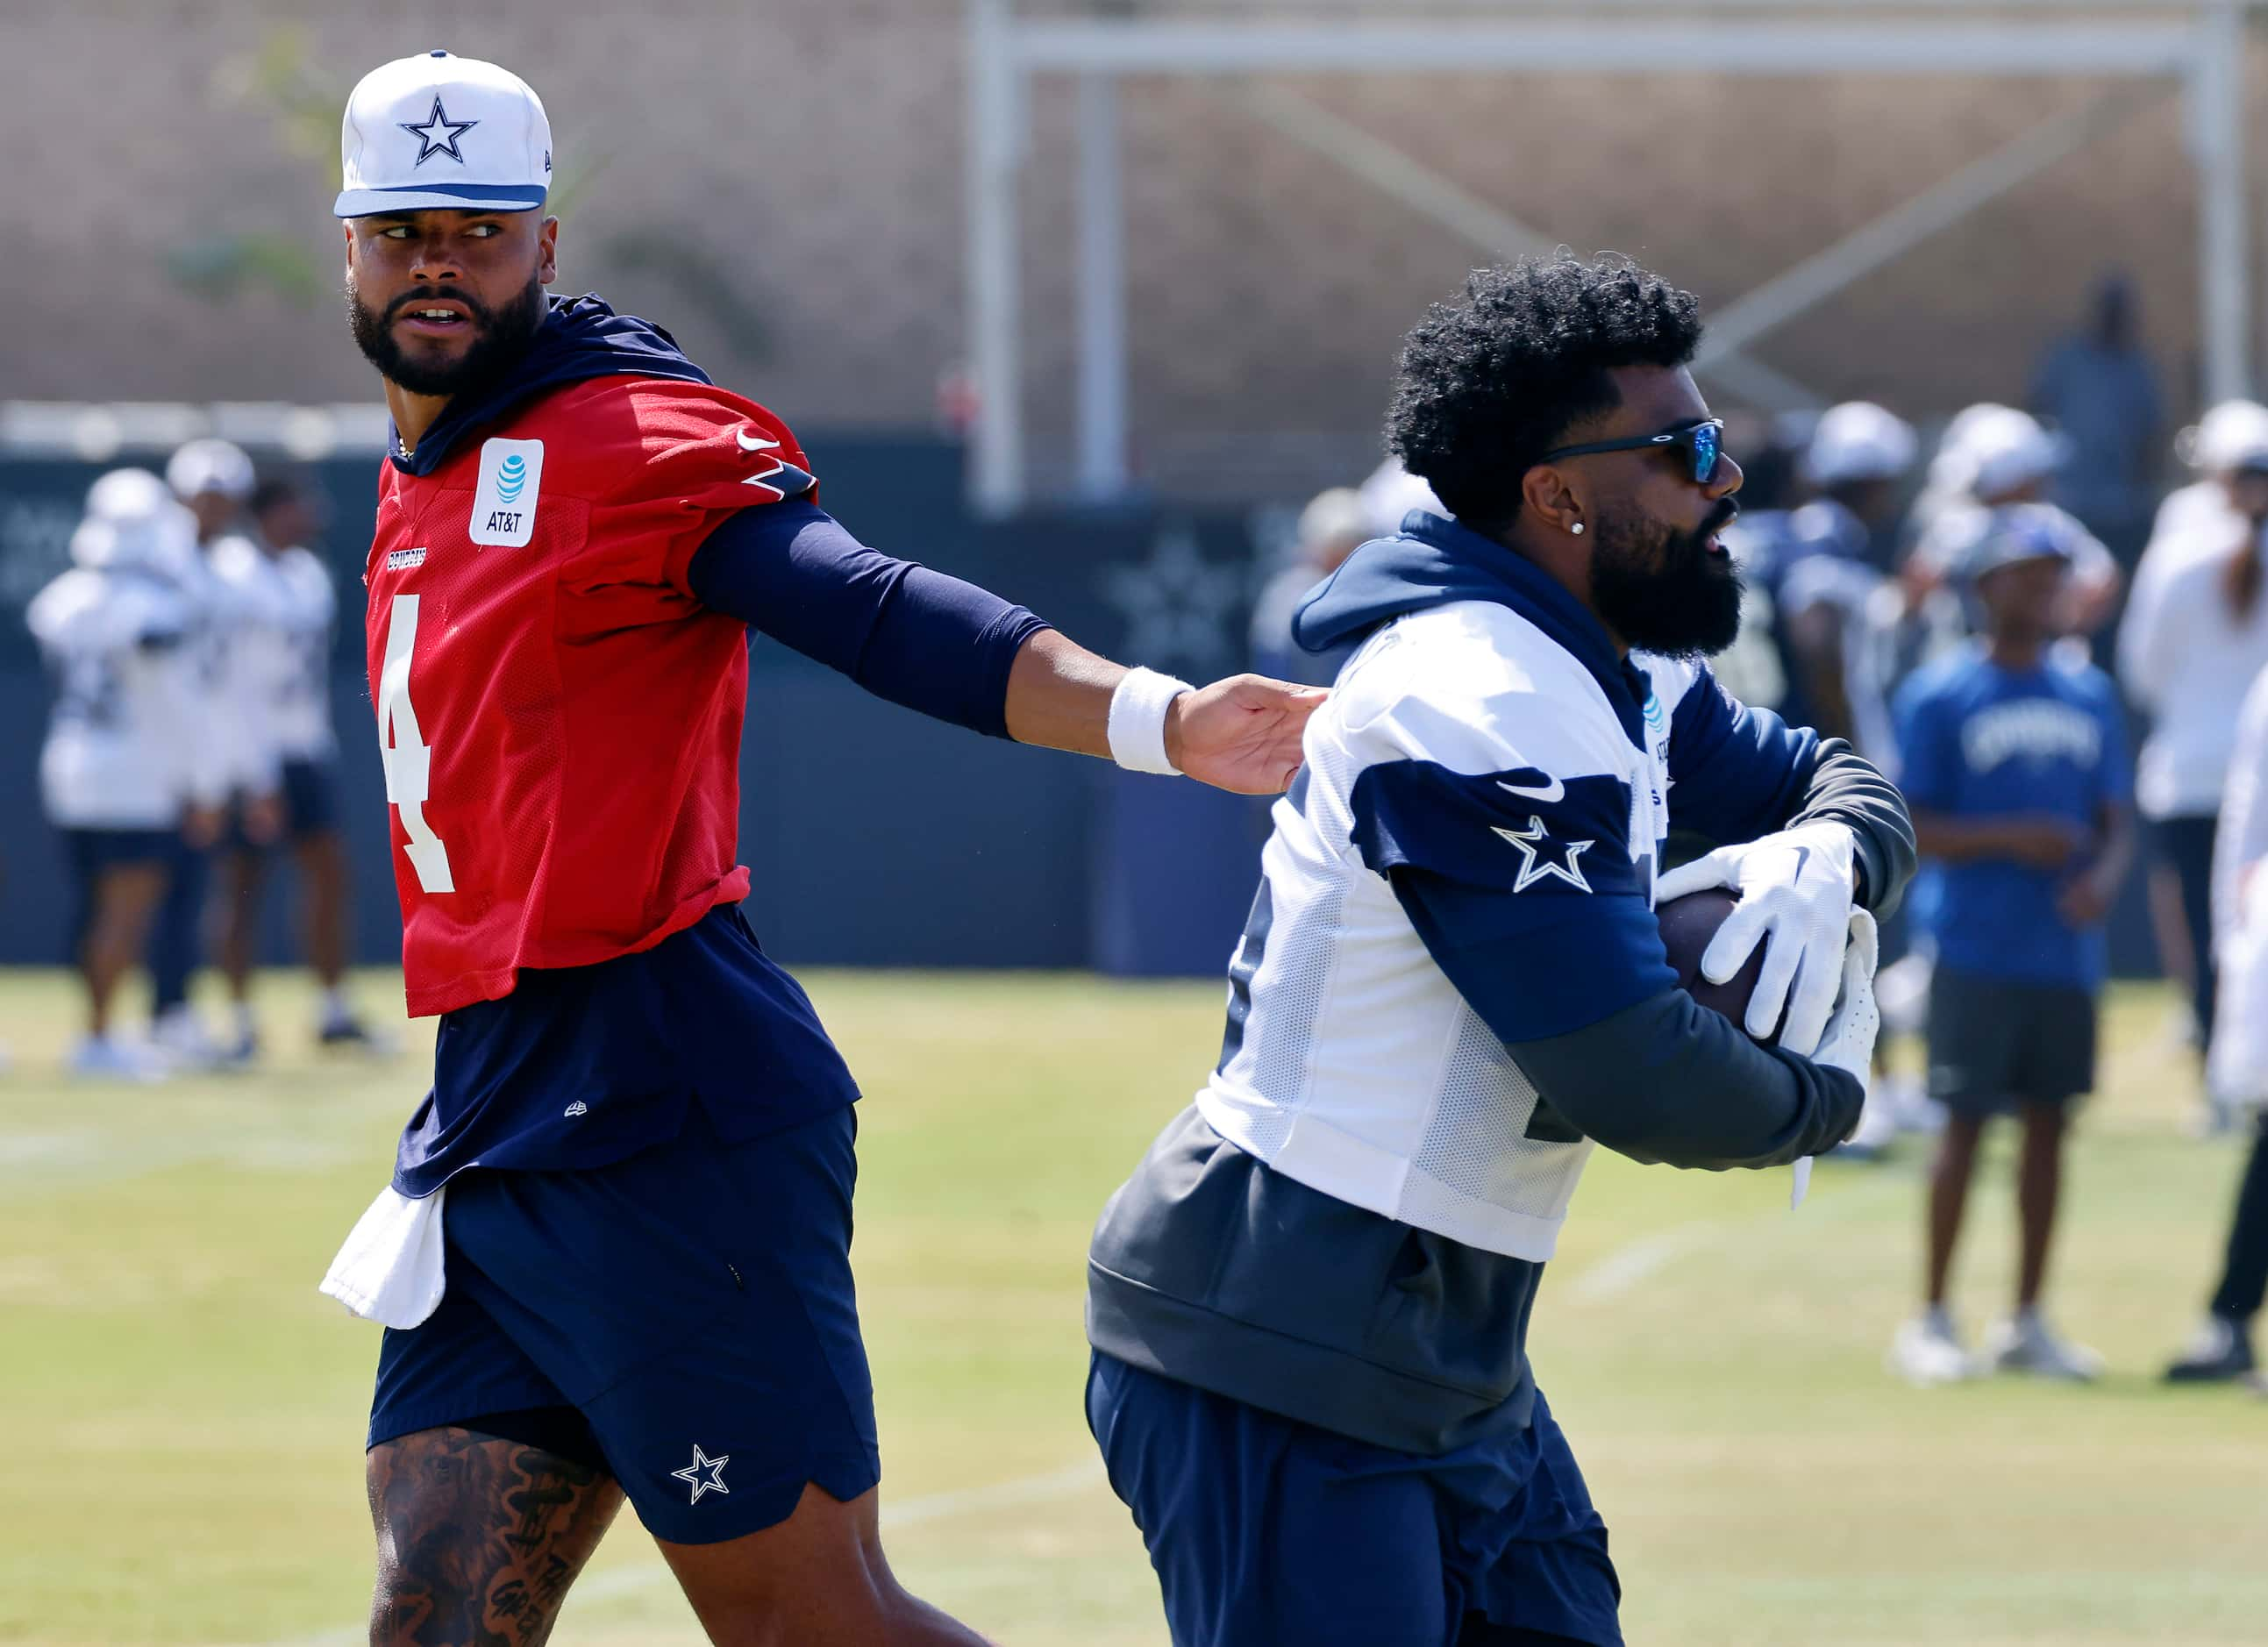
438,121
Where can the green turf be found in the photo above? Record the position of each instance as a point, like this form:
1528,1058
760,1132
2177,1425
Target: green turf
182,1411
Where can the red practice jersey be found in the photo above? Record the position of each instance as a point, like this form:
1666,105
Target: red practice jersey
560,718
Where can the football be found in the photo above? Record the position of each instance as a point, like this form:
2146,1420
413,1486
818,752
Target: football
1687,925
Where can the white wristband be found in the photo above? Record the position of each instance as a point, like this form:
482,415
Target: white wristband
1138,720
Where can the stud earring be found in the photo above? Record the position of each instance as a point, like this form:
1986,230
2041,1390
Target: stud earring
1577,528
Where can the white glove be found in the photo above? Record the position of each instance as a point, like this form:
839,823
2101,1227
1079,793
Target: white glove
1795,890
1848,1043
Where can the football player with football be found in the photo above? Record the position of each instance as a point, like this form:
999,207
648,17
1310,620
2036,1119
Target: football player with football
1309,1305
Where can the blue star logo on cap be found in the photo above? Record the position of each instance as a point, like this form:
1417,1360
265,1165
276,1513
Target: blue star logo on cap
438,121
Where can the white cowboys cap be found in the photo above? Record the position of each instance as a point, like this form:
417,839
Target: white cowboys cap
211,465
441,131
1860,441
2233,435
2004,448
133,521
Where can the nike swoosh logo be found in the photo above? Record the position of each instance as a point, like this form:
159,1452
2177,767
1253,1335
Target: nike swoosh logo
1802,855
1552,791
754,443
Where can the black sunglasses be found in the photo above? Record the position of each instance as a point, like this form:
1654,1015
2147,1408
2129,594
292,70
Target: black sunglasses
1704,442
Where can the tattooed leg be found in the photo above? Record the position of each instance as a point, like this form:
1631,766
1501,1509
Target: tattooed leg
478,1538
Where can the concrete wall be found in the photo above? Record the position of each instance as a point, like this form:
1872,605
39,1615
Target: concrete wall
781,185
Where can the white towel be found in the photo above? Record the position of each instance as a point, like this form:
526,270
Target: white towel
2236,1065
389,1270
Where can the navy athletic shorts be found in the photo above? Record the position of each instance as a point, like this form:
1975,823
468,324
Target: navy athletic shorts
310,799
310,793
1264,1529
683,1319
1995,1043
94,850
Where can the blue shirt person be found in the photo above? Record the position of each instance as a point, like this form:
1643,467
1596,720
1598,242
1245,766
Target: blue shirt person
2017,771
2019,763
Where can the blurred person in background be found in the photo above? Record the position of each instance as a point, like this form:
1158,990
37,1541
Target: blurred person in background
1830,570
2195,519
1390,492
2100,389
2013,760
2237,1062
1993,459
121,773
213,481
281,661
2229,437
1332,527
1837,638
2194,637
1987,478
1752,668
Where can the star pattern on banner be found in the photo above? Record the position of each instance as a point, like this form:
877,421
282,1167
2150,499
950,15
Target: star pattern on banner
1176,604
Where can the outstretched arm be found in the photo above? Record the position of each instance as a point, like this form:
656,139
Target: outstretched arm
1241,735
949,649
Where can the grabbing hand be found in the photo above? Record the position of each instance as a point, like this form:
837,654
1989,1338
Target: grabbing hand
1242,734
1796,889
1849,1043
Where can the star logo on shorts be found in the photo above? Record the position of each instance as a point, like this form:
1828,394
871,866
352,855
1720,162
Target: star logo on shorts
1544,859
704,1475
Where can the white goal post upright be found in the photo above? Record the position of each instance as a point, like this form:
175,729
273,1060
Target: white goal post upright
2199,44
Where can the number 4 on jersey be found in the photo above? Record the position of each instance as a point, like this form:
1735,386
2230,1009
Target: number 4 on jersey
409,762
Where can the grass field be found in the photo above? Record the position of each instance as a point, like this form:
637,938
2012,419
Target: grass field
182,1412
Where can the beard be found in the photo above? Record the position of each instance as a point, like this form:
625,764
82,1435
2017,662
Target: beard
1661,590
500,337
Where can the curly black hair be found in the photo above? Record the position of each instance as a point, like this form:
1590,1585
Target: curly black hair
1490,382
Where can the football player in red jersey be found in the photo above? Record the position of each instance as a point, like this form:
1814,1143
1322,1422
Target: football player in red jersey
614,1260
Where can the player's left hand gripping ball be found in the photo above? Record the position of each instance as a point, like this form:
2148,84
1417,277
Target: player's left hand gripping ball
1242,734
1796,889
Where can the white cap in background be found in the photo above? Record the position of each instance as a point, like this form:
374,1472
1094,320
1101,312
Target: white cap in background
2002,448
1392,492
2233,435
132,520
1858,441
208,464
439,131
1334,517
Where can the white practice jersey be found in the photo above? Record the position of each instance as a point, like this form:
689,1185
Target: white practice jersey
233,718
280,650
1354,1064
127,747
1348,1225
